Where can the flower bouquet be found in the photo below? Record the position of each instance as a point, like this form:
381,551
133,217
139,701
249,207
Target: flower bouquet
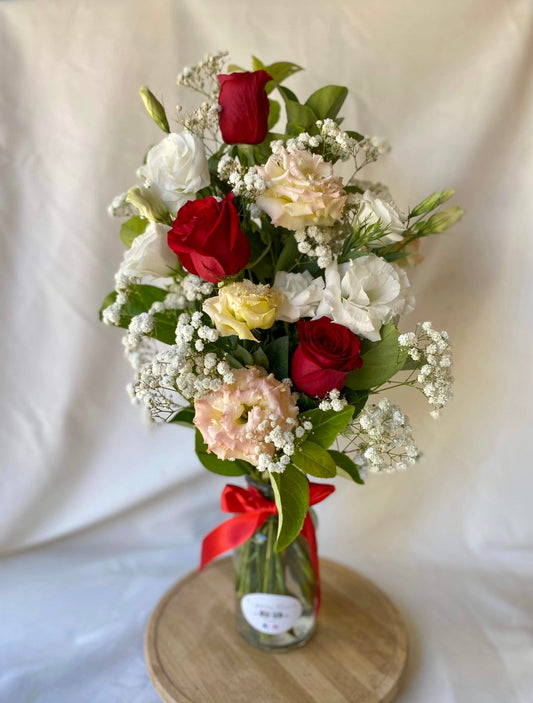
261,291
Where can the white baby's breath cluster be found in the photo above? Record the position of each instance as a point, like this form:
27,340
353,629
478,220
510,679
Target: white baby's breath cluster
433,351
229,165
383,435
322,243
142,325
247,183
284,441
202,367
202,119
192,368
338,143
202,78
333,401
341,145
123,284
179,295
155,385
373,148
193,289
302,141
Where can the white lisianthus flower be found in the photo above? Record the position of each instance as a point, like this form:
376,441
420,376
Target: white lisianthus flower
373,210
176,169
364,294
301,295
150,254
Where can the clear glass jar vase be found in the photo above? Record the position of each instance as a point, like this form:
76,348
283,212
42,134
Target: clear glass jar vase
276,592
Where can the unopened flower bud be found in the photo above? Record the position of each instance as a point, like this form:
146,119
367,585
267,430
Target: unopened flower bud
441,221
431,202
154,108
148,204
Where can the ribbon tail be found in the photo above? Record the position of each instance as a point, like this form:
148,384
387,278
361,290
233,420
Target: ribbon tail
308,531
231,534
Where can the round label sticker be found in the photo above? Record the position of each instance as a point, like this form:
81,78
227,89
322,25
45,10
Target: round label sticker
270,613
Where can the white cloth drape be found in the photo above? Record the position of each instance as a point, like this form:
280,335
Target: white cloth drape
110,511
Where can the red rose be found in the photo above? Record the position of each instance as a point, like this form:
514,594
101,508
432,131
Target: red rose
325,356
208,240
244,115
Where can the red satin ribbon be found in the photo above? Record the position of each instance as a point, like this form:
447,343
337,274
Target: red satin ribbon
253,510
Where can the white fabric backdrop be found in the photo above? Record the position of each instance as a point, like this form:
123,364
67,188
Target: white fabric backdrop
99,513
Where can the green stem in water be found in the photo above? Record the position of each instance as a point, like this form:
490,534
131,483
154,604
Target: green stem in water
267,580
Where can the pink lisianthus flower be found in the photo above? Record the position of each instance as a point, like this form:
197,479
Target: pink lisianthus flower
235,420
302,190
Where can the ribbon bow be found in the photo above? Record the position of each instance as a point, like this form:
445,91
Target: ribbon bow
253,511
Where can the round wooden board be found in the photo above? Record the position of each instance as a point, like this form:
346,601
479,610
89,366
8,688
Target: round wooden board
194,654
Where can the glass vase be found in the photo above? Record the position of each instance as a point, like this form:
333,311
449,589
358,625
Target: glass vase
276,592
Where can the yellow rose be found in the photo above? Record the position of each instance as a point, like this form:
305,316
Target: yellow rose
241,307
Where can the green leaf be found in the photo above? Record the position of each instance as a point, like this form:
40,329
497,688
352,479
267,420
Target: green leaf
327,424
278,356
431,202
261,359
300,115
288,256
280,71
353,189
243,355
306,402
216,465
132,228
355,135
165,324
233,362
312,459
348,466
262,151
381,360
327,101
107,301
273,114
291,494
257,65
287,94
184,417
233,68
140,299
357,399
411,364
154,108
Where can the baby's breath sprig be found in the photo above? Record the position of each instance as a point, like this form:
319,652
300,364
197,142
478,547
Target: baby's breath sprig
381,439
431,354
202,78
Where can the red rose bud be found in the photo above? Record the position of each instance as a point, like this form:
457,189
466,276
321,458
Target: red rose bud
325,356
244,115
208,240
